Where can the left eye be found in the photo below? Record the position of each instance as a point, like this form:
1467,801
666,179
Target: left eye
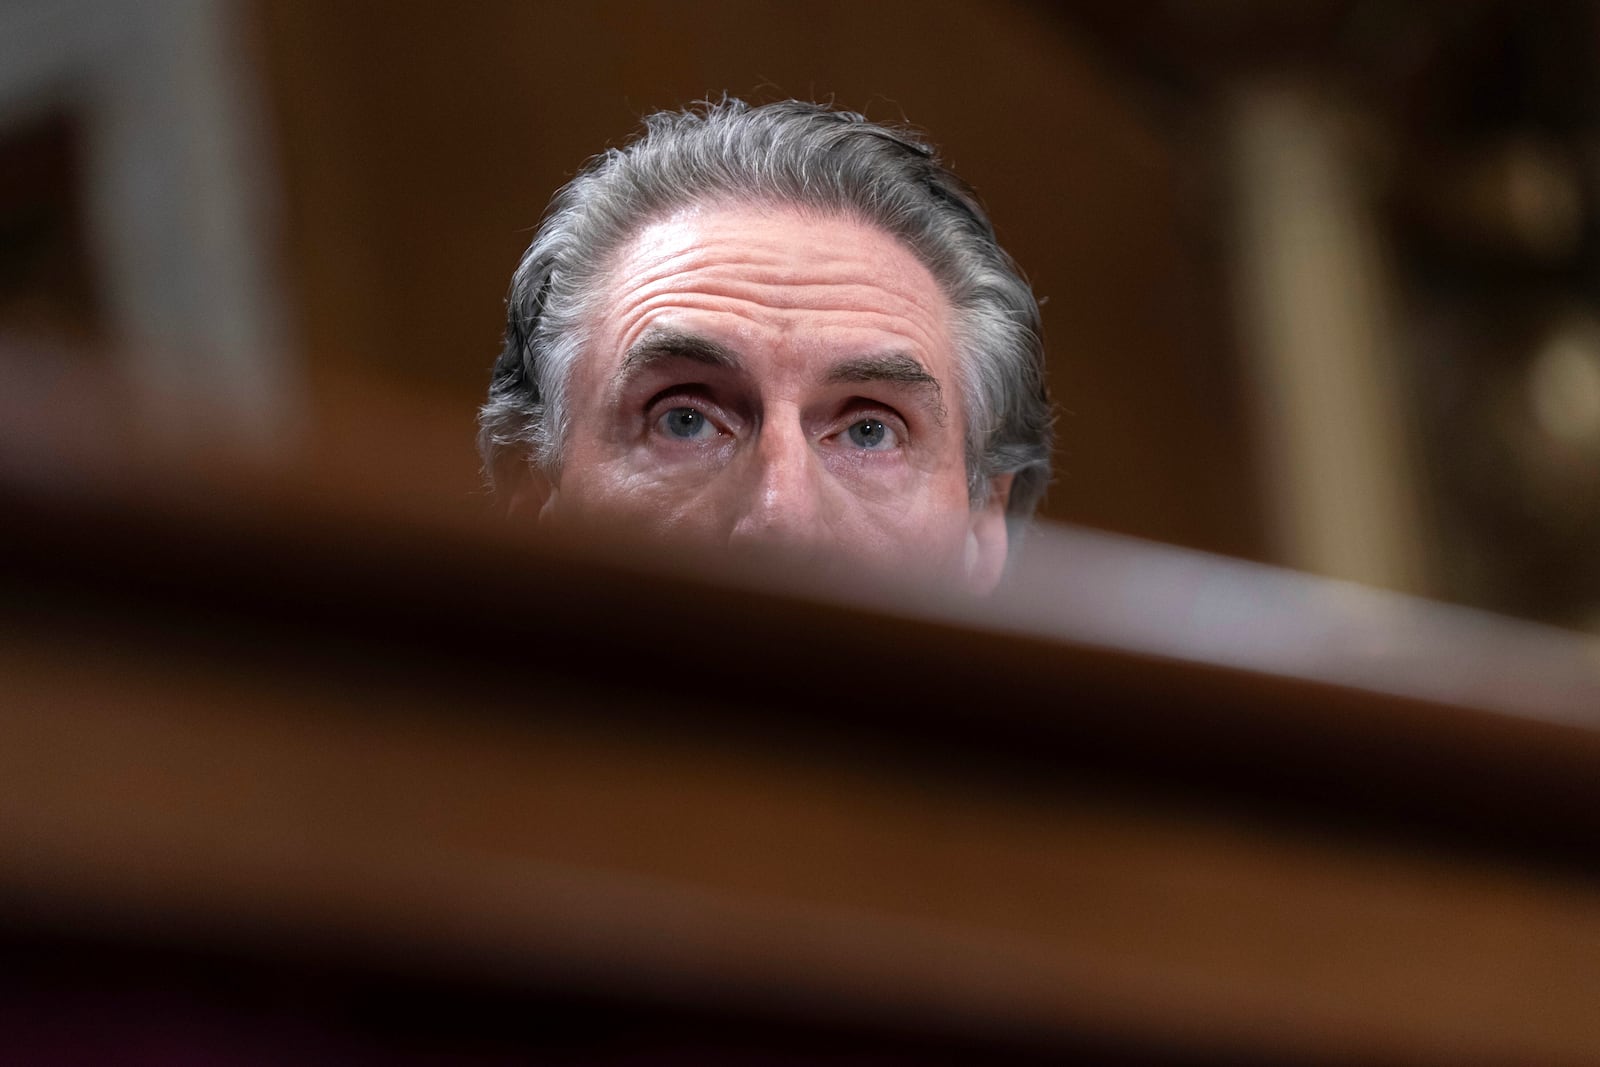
874,434
686,424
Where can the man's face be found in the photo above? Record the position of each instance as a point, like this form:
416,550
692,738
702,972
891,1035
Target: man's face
766,379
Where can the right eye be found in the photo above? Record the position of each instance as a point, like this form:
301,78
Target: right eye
686,424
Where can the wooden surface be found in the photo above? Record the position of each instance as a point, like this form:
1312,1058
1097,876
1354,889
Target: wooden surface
1143,800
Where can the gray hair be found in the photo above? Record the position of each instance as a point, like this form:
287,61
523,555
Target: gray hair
791,153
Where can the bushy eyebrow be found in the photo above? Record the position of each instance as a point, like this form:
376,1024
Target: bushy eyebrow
659,345
896,368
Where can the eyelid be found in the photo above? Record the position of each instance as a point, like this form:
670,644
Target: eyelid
860,407
839,434
692,390
691,395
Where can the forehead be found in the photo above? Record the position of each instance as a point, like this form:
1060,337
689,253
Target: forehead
775,278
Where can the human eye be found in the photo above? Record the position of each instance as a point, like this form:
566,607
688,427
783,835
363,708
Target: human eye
684,423
872,434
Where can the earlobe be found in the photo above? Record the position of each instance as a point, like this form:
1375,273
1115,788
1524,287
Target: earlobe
987,540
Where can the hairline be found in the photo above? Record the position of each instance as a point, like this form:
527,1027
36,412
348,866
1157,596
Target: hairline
781,154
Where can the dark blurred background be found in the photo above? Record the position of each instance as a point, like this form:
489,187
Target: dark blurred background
286,776
1320,279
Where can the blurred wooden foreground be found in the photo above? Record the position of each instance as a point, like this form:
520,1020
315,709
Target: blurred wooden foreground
563,802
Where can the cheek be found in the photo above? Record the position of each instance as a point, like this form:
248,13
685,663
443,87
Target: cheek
619,493
895,518
947,522
927,533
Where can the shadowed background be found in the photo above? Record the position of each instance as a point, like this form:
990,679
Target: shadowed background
1319,283
307,754
419,147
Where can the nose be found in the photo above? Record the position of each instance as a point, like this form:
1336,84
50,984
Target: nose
783,506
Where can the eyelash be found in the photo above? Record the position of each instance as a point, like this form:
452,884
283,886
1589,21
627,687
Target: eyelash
860,409
668,400
853,411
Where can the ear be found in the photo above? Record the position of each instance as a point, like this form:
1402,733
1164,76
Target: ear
984,561
531,496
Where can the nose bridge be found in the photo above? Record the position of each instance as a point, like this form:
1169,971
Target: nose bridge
784,502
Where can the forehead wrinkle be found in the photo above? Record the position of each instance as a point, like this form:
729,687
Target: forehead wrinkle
784,285
696,264
662,344
735,283
853,297
639,309
660,252
637,318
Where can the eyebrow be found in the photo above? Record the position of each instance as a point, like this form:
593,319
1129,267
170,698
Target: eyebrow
658,346
661,345
896,368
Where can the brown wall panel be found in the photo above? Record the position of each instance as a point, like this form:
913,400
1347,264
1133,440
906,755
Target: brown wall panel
419,145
